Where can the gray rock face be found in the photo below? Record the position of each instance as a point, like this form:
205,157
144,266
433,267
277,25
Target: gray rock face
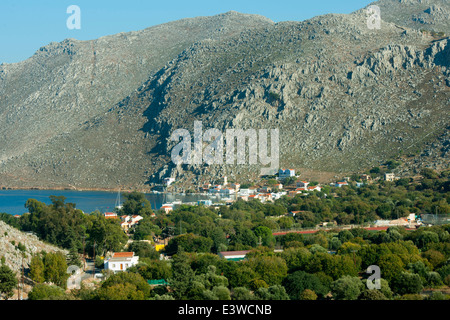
100,114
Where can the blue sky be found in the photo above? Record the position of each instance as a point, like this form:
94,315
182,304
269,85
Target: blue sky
27,25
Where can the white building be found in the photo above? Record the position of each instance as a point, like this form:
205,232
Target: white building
121,261
167,208
110,215
135,219
234,255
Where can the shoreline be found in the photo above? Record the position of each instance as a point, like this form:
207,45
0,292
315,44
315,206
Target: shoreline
146,191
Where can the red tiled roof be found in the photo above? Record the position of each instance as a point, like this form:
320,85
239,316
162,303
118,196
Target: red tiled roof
123,254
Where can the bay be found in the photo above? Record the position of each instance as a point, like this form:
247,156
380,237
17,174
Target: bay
13,201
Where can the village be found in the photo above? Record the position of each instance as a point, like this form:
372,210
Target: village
227,193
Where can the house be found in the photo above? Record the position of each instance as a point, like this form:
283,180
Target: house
302,184
341,184
366,177
125,218
286,173
278,186
253,196
110,215
390,177
234,255
125,225
121,261
293,193
167,208
314,188
135,219
265,197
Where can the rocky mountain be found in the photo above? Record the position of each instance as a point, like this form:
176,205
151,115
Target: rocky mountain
100,114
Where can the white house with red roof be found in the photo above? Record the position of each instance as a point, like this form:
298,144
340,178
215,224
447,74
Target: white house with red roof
110,215
341,184
121,261
314,188
167,209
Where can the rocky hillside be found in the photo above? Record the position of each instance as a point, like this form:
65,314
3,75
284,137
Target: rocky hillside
430,15
11,242
344,97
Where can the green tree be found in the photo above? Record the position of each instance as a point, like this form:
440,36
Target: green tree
297,282
347,288
391,266
296,258
265,236
152,269
242,276
407,283
182,276
55,269
136,204
271,269
145,230
143,250
8,281
124,286
37,269
46,292
276,292
242,293
189,243
308,294
120,291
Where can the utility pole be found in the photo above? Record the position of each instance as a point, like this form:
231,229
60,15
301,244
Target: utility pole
23,286
84,256
93,271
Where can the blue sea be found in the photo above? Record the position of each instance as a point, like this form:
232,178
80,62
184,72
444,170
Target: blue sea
13,201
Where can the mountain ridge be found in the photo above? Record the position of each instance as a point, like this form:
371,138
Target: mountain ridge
322,68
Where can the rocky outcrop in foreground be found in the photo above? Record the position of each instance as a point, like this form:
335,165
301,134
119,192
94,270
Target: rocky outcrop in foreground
13,240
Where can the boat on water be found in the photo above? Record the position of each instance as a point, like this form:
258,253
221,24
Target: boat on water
118,204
